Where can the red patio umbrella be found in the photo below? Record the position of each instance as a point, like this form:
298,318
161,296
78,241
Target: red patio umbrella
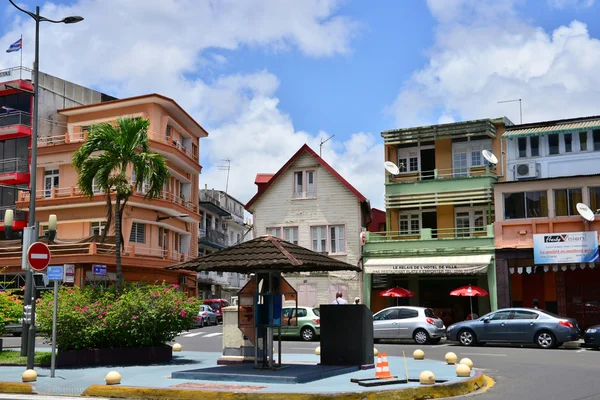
470,291
397,292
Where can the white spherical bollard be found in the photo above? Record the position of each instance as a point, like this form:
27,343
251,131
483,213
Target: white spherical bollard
29,376
419,354
318,351
463,371
467,362
427,378
375,352
113,378
177,347
451,358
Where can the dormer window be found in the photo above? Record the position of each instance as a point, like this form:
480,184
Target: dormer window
305,184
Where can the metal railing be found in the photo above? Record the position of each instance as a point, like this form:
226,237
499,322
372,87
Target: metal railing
14,73
74,191
448,173
97,248
485,231
14,165
15,118
212,236
173,141
61,139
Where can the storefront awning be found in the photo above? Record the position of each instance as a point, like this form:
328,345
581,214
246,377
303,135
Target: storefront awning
552,129
451,265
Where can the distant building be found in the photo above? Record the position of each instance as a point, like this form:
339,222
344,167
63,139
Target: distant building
222,224
310,204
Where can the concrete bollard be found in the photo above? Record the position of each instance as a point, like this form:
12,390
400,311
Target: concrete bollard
467,362
29,376
177,347
419,354
113,378
318,351
451,358
427,378
463,371
375,352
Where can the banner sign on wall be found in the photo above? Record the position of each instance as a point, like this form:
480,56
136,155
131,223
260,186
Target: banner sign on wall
561,248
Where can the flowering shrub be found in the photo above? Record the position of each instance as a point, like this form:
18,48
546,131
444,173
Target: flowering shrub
11,309
140,316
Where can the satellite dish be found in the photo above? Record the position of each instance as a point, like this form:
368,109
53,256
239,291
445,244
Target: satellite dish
391,168
489,156
585,212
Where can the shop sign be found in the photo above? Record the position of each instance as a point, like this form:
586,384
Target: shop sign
427,269
571,247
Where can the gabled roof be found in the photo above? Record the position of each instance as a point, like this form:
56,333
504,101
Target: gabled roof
305,149
265,253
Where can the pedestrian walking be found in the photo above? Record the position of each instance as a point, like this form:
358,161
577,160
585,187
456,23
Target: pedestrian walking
339,299
536,304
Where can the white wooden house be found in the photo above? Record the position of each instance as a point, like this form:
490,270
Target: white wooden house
308,203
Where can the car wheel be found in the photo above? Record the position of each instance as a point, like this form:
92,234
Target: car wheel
421,336
201,322
545,340
467,337
435,340
307,334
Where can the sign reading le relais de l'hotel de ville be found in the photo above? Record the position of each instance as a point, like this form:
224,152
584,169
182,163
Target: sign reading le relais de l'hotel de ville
563,248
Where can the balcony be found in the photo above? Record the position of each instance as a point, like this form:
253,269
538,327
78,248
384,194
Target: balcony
97,252
15,124
212,238
430,242
14,171
212,204
59,197
440,187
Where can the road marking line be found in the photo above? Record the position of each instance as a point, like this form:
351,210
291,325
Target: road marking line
442,345
581,351
213,334
193,334
484,354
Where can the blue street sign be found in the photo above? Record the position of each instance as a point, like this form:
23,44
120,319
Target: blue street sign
55,273
99,269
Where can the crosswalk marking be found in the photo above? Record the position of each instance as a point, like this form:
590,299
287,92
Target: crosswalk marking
193,334
213,334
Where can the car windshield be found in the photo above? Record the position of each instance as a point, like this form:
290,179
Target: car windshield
215,305
429,313
317,312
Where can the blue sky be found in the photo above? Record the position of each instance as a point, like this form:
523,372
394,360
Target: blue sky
266,76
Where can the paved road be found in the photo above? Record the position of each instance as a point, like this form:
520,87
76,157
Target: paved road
521,373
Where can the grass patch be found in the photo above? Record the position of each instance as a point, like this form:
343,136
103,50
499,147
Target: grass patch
14,357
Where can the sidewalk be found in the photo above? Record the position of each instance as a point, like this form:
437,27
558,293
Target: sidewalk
74,382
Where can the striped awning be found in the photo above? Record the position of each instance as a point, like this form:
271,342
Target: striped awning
450,265
552,129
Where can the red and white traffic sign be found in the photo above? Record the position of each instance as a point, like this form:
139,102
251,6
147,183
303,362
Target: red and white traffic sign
38,255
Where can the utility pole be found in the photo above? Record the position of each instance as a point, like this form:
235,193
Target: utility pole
321,145
226,168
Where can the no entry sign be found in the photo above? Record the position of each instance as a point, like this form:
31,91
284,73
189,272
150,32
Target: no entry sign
38,256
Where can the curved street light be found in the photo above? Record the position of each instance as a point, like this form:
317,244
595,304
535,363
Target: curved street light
28,337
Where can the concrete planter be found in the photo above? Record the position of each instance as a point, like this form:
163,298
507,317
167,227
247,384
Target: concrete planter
114,356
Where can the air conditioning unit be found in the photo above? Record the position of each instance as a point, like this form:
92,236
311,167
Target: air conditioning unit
527,170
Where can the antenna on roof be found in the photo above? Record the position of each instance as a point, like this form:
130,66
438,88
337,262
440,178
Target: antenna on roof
321,145
226,168
520,108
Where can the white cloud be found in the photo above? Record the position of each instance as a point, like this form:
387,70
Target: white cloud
477,62
177,48
562,4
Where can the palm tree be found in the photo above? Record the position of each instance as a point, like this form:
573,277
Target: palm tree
102,162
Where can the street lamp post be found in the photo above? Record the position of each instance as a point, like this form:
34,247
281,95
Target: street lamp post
28,338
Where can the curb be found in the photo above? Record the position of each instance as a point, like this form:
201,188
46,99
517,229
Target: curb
15,387
478,382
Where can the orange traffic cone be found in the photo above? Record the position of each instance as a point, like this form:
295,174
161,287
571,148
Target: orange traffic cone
382,369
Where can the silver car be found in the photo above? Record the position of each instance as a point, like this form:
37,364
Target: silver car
516,325
418,323
206,316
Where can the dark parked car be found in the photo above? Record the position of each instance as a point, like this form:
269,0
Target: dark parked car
516,325
592,336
